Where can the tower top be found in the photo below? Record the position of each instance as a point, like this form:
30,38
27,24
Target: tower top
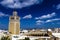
14,13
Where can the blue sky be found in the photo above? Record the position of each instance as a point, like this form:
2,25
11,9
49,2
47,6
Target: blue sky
34,14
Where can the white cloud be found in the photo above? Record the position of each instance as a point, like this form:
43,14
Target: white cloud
58,6
39,22
46,16
19,3
27,16
52,20
2,14
37,17
48,21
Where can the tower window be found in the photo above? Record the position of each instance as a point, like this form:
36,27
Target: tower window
17,18
12,18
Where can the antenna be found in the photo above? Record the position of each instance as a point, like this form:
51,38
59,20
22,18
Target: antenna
14,12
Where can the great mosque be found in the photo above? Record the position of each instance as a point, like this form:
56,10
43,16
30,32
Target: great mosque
16,34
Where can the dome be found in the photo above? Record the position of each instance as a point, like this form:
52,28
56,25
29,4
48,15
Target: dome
49,30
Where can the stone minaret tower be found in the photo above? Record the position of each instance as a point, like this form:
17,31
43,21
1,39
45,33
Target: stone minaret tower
14,24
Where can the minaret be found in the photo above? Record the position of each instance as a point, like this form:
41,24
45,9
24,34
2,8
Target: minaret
14,24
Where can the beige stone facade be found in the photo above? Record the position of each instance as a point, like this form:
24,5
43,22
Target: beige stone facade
14,24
